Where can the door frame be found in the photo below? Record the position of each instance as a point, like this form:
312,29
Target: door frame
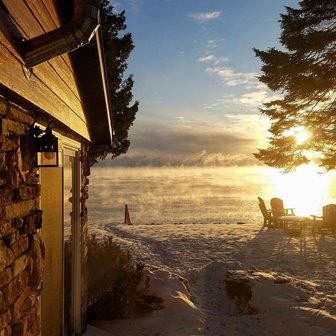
55,179
72,148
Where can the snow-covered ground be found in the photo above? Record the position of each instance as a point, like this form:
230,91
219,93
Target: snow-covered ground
219,279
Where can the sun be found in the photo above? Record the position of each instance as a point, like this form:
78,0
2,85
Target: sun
302,137
292,188
300,133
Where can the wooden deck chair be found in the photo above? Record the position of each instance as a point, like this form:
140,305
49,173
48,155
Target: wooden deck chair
278,208
269,219
326,222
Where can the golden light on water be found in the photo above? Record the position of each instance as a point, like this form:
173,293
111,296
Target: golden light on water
306,189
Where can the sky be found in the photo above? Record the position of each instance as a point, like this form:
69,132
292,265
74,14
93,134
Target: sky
195,76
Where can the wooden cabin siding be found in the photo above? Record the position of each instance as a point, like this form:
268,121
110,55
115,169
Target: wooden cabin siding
47,18
52,86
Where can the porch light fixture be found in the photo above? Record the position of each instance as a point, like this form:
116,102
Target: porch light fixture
48,150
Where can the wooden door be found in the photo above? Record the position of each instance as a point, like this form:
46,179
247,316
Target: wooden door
52,234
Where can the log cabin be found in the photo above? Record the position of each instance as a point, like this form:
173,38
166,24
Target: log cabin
54,105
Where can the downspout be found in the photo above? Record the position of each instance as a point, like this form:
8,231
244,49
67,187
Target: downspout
73,35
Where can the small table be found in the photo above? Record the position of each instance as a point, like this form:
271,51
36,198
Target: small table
301,221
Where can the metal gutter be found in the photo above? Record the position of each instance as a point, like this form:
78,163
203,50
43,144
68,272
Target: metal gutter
73,35
103,68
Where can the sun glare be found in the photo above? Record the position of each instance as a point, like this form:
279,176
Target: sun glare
302,137
300,133
306,189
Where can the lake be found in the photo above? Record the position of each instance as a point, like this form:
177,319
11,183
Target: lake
203,195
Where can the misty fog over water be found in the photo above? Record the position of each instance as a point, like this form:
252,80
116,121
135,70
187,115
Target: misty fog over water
201,195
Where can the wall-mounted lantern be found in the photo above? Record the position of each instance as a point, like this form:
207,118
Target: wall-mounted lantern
48,150
41,148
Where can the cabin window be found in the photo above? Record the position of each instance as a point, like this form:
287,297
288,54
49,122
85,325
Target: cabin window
72,242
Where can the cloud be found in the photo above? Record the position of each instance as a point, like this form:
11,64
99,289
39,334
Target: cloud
250,99
232,78
224,101
187,139
255,125
212,59
247,101
253,98
206,59
229,76
254,93
214,43
188,142
205,16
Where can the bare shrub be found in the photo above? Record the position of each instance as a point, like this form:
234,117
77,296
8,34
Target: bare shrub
117,286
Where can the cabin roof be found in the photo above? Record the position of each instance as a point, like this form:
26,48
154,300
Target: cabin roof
71,89
89,66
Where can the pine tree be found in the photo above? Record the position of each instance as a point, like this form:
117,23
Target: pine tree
303,74
117,48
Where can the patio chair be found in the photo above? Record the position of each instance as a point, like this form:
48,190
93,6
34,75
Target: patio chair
269,219
326,222
278,208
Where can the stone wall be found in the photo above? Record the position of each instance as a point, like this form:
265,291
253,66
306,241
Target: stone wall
85,236
21,248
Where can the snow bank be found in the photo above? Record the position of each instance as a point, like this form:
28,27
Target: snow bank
179,316
231,280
